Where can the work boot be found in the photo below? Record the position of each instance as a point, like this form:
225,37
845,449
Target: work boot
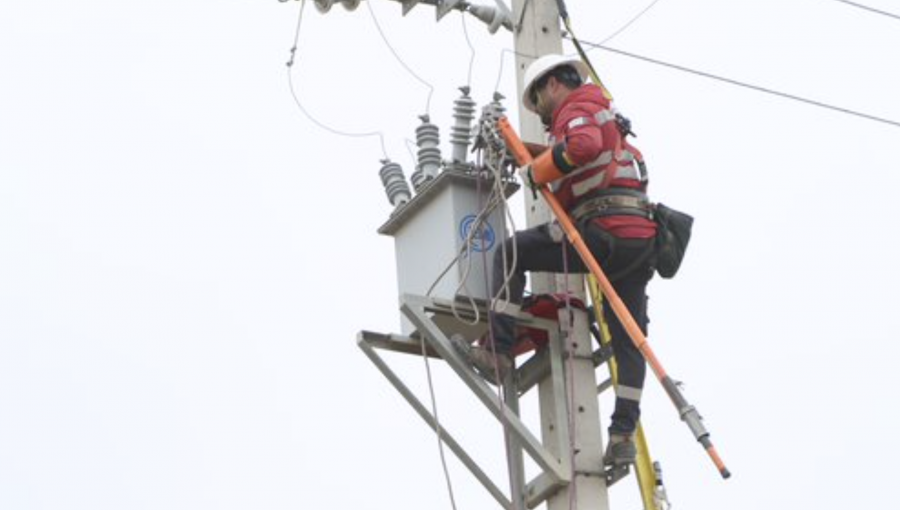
620,451
483,360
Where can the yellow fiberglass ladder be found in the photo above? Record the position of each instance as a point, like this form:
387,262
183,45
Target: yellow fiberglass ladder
648,472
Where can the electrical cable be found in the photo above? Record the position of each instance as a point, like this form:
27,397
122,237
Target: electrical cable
509,264
870,9
315,121
740,83
465,30
503,53
500,72
522,15
437,427
630,22
497,198
400,60
501,400
309,116
409,148
467,250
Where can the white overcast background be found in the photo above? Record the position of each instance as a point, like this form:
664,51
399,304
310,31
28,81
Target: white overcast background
185,258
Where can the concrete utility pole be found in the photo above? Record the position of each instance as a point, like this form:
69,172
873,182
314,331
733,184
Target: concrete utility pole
538,33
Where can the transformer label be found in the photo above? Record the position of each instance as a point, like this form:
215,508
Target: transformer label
483,239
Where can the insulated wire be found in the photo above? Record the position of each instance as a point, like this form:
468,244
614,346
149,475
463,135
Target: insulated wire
508,266
498,190
437,427
496,198
290,65
466,250
870,9
471,49
491,204
503,53
626,25
402,63
409,148
741,84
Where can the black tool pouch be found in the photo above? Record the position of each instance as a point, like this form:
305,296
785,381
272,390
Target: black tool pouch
673,231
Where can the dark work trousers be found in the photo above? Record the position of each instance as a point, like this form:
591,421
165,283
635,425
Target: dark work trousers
536,250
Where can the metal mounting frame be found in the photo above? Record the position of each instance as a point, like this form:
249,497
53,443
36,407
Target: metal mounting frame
423,312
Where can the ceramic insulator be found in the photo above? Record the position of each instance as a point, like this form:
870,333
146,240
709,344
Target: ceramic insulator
394,183
428,140
461,132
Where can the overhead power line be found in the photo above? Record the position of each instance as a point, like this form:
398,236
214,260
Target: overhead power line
630,22
306,113
401,61
870,9
740,83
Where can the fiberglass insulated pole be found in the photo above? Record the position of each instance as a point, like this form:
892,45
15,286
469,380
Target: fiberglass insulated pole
689,413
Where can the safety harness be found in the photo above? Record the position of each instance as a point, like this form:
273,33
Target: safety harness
613,202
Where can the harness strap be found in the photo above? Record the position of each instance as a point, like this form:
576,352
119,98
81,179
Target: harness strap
612,202
638,158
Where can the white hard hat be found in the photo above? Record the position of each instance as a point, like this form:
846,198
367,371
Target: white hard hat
542,66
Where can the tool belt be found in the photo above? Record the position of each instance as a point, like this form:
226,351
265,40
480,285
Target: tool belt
613,202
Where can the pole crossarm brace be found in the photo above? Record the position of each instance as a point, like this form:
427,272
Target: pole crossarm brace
422,311
414,307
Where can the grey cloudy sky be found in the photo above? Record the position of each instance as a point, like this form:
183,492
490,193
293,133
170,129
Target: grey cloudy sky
185,258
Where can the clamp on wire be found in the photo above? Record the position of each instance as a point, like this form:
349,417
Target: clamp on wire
489,140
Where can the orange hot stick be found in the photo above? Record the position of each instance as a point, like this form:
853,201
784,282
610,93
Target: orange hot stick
688,413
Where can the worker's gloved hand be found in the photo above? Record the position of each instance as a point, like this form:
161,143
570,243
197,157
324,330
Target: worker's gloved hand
526,173
557,234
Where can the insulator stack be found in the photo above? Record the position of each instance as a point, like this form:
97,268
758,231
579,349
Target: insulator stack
394,183
494,110
490,114
461,132
428,140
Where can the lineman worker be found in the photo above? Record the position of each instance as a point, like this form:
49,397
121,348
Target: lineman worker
600,181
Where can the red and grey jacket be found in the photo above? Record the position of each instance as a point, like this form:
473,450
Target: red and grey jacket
595,160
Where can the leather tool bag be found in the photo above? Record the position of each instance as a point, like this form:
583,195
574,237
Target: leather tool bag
673,232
